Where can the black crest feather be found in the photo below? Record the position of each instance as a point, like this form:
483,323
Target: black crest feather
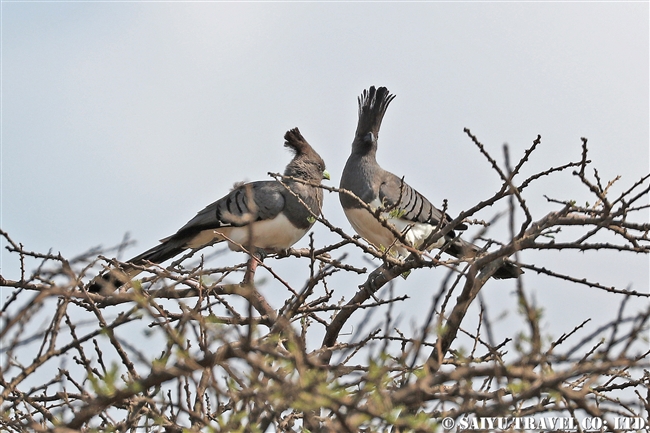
372,107
295,141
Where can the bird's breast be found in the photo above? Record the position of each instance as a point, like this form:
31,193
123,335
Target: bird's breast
367,226
276,233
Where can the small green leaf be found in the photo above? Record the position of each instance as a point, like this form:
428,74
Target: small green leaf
396,213
311,219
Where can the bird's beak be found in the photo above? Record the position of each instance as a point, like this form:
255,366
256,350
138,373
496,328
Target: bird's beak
326,175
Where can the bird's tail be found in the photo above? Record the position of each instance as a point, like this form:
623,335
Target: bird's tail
507,270
464,250
112,279
372,107
168,248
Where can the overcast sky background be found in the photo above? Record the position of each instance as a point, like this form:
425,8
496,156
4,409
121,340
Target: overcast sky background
132,116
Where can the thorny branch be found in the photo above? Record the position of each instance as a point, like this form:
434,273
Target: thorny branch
185,348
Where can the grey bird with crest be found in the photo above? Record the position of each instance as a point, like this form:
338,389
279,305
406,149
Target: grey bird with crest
265,215
408,211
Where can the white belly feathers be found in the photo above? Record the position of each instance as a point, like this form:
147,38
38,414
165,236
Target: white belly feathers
277,233
367,226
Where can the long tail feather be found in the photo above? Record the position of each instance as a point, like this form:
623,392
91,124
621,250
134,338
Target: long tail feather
161,252
463,249
112,279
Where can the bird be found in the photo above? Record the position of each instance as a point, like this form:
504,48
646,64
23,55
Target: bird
276,214
400,205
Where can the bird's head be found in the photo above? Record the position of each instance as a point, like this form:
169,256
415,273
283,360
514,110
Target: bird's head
369,138
306,164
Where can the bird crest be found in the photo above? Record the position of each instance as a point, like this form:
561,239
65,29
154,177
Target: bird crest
372,107
296,142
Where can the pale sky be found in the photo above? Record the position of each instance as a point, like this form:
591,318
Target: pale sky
132,116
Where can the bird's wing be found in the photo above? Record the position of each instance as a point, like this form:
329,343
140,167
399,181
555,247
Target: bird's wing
246,203
402,201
